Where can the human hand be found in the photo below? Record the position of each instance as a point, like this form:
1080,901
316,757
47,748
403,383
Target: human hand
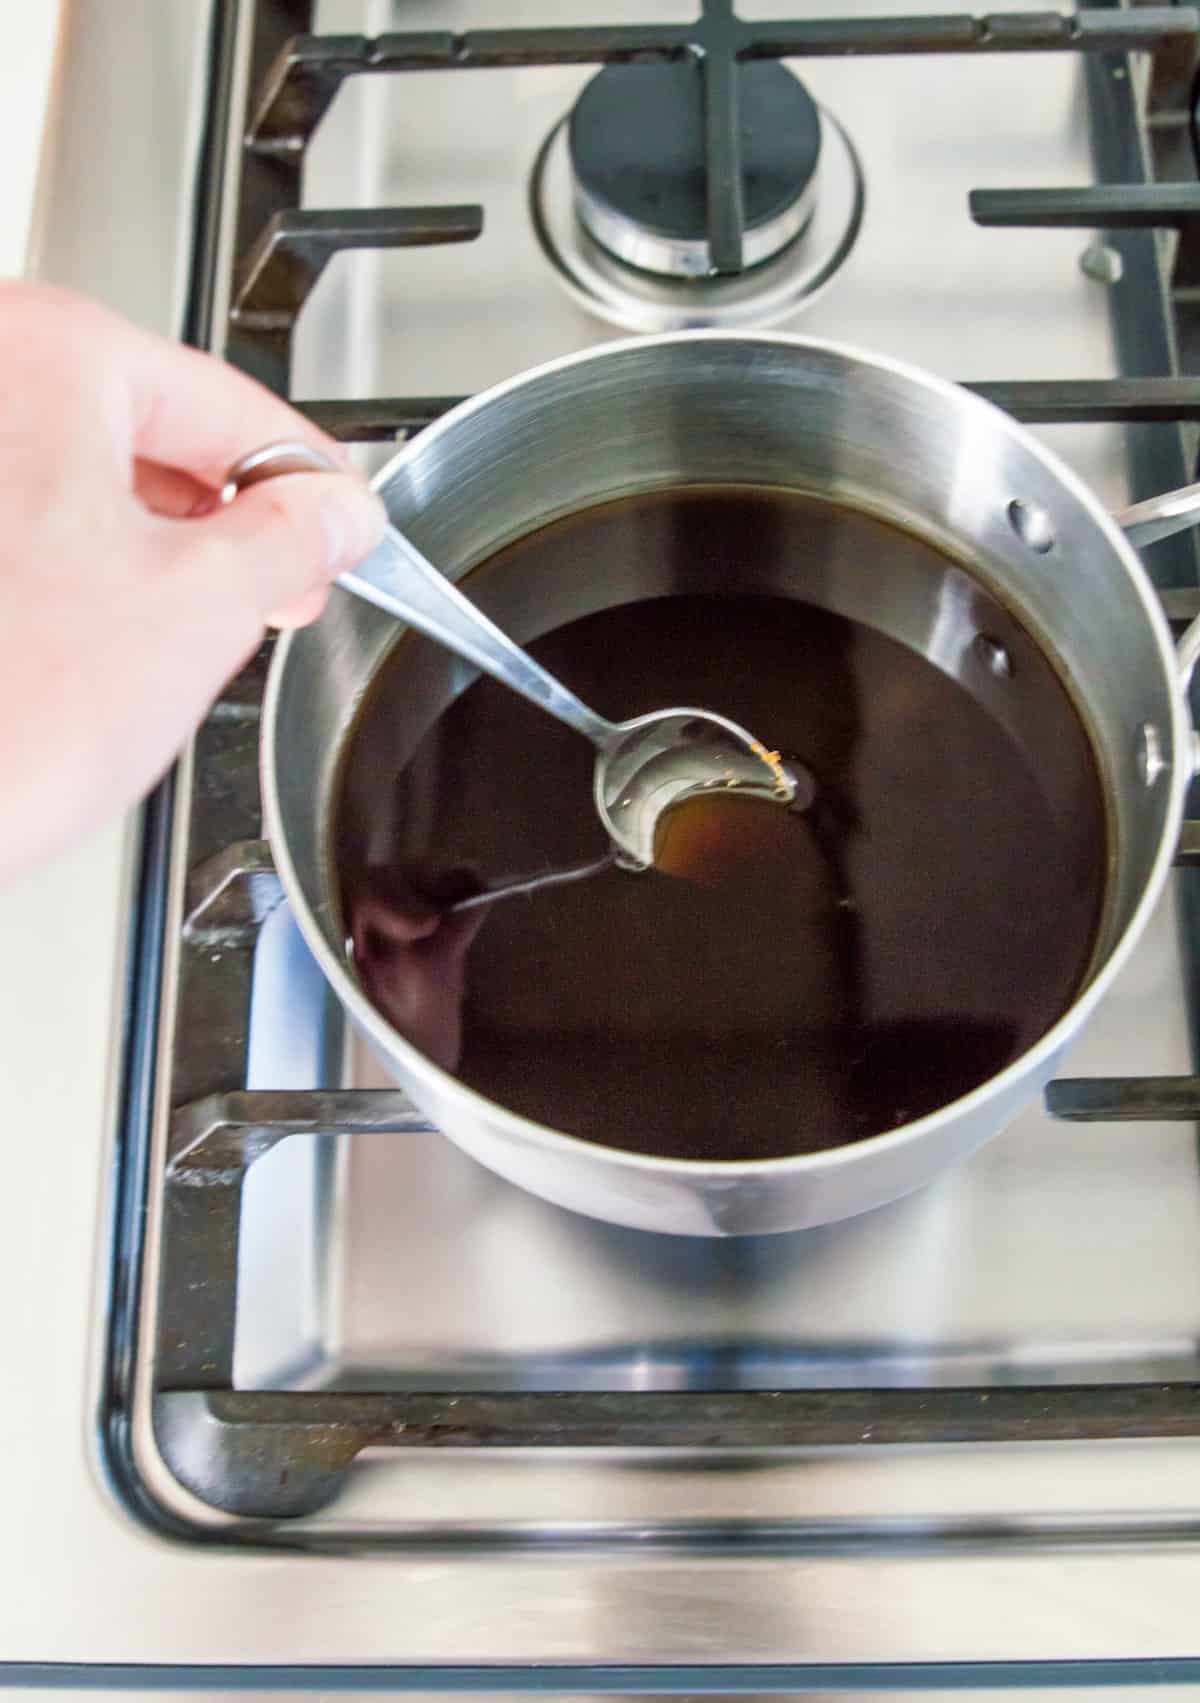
128,596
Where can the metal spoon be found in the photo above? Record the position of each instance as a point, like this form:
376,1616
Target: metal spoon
643,766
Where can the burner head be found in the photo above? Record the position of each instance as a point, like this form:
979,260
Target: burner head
636,139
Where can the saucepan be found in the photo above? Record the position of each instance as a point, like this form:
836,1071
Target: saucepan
870,434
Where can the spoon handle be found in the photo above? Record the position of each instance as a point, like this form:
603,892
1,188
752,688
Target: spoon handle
513,885
396,577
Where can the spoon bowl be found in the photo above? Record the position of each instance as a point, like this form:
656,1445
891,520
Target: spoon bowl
655,761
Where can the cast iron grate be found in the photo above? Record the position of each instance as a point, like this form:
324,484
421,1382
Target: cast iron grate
300,75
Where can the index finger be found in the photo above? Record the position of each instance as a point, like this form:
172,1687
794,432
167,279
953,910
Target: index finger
194,412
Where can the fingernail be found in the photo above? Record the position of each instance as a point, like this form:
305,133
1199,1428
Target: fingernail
354,519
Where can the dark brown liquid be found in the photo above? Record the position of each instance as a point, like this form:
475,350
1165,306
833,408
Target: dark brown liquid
783,982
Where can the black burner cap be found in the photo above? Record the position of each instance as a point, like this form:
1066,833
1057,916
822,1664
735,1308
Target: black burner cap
637,144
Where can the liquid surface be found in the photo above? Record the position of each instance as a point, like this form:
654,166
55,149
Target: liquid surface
782,982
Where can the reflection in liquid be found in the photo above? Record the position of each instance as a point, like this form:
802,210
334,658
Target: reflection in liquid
411,951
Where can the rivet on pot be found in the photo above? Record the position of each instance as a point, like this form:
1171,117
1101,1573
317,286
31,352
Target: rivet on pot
994,656
1150,759
1031,525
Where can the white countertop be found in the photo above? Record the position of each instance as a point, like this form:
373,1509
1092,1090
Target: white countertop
59,927
29,41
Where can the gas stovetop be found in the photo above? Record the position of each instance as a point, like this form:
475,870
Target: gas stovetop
339,1328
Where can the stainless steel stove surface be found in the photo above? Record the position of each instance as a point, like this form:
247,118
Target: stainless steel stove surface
1005,1270
562,1442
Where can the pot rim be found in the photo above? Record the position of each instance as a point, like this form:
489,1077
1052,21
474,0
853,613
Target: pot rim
1030,1063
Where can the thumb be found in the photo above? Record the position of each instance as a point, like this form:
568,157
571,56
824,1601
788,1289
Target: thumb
279,543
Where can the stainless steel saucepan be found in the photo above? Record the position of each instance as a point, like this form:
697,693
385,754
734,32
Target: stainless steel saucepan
872,435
